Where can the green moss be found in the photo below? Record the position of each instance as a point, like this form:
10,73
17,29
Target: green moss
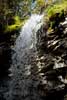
18,23
56,13
56,8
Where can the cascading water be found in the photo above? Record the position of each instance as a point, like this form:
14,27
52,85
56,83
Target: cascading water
35,75
24,82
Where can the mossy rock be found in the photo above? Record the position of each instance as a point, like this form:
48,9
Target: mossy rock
56,8
16,25
56,13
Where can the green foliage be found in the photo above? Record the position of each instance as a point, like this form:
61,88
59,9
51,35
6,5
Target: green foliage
40,3
10,18
15,10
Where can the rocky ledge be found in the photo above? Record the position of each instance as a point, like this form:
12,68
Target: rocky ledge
52,51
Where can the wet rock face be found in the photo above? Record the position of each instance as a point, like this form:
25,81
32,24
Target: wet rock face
42,38
53,49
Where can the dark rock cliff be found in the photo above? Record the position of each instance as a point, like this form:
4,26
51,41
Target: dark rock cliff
52,51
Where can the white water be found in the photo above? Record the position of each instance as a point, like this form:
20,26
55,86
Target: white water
24,61
25,45
28,32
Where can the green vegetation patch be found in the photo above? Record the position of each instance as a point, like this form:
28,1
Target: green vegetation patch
17,24
56,8
56,13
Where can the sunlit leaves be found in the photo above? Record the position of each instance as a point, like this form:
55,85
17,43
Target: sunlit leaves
40,3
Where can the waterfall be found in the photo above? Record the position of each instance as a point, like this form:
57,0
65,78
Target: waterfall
28,32
24,61
25,44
